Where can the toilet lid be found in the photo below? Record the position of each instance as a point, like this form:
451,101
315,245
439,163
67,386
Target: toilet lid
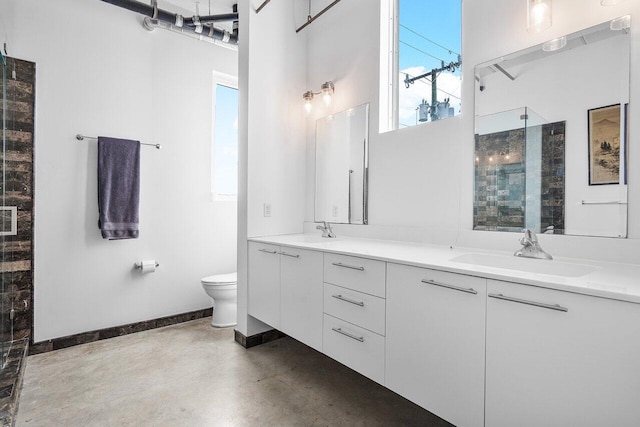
220,279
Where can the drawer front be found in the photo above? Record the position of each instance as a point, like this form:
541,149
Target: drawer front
359,274
355,307
355,347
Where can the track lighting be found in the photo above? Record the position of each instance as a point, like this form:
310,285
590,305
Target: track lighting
326,90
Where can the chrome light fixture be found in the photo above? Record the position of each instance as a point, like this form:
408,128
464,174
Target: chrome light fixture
326,90
538,15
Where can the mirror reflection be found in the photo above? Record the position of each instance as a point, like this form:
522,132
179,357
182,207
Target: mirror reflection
551,136
342,166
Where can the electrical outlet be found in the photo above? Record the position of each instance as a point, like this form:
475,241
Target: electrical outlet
266,209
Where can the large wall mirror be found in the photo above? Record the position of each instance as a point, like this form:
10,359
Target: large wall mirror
342,166
551,136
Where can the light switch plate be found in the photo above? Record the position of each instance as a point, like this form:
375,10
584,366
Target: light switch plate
267,209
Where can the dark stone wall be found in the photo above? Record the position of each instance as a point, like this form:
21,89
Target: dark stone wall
501,174
17,156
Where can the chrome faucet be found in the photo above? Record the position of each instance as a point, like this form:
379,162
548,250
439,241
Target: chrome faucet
326,230
530,247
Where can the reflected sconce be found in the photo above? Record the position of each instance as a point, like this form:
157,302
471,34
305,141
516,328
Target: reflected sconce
326,90
538,15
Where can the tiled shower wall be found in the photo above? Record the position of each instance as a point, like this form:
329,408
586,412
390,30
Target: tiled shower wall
17,262
501,174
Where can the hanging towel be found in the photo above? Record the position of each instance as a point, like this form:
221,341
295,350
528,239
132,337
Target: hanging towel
118,187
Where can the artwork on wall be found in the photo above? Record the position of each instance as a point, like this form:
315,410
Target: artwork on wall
604,145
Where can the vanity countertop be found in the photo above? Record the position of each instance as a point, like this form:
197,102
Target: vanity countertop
601,279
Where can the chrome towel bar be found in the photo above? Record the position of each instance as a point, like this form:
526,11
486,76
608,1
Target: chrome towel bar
81,137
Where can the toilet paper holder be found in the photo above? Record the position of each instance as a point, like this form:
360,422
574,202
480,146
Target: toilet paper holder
138,265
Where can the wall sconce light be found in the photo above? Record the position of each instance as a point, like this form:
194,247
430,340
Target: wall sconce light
326,90
538,15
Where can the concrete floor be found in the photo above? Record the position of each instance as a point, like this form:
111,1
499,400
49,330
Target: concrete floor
195,375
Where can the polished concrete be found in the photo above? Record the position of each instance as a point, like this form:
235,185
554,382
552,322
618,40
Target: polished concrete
194,375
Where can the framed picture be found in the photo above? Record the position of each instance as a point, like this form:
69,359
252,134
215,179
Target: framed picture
604,145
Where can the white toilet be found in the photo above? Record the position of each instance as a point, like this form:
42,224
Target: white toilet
223,290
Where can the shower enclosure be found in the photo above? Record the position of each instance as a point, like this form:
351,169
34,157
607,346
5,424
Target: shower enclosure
5,230
16,212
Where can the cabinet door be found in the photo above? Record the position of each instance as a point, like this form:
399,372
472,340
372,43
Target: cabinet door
435,341
264,283
301,295
551,367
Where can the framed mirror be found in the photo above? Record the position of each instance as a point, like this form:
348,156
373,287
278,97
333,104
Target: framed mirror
551,135
342,151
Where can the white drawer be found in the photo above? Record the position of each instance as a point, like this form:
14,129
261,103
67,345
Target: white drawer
355,307
360,274
355,347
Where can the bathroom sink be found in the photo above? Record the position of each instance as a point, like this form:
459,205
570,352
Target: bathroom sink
308,238
529,265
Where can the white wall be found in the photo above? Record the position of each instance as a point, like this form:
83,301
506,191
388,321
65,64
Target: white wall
421,178
100,73
271,132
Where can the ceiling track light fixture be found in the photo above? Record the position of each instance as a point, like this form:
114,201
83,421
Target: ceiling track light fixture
554,44
621,24
326,90
538,15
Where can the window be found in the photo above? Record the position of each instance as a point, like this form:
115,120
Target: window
422,62
225,138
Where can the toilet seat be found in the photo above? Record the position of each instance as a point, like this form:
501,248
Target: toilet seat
221,279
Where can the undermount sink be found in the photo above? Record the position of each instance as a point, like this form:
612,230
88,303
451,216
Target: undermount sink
529,265
309,238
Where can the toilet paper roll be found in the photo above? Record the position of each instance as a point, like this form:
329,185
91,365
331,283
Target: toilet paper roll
148,266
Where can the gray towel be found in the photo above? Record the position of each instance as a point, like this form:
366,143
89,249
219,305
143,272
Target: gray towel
118,187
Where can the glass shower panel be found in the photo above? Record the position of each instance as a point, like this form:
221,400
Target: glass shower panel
4,320
519,173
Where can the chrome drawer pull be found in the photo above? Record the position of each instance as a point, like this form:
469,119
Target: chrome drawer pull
339,264
556,307
455,288
267,251
341,298
291,255
347,334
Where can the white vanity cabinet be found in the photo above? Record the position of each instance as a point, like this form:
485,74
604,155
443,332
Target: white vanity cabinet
354,319
435,341
264,283
560,359
285,290
301,295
